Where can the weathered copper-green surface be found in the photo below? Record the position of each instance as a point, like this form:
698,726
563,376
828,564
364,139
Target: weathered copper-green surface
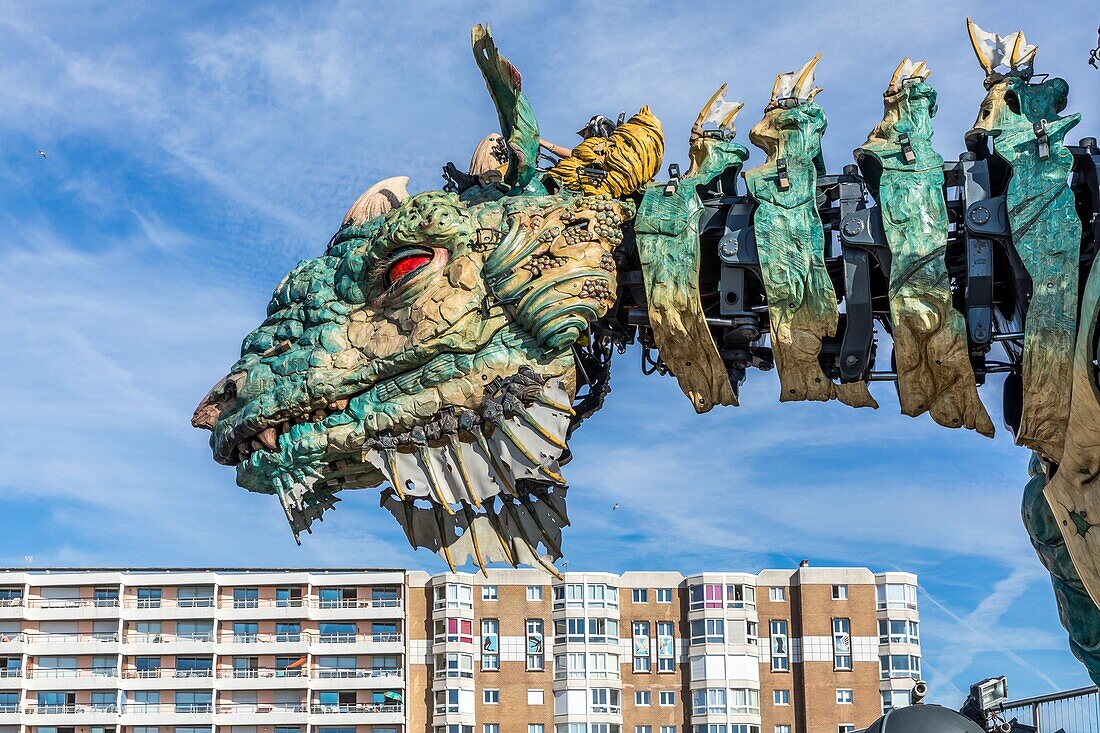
930,348
802,305
1073,491
1047,235
667,228
1076,608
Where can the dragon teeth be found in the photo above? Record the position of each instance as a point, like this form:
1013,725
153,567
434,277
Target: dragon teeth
269,439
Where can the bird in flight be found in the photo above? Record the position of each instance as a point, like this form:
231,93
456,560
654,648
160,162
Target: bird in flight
615,506
42,153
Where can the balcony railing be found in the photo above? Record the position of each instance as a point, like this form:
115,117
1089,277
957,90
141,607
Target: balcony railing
250,708
71,602
106,637
253,637
10,673
63,709
185,708
251,674
318,709
150,638
324,674
47,674
229,603
11,602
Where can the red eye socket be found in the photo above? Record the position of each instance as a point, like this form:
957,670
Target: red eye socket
406,265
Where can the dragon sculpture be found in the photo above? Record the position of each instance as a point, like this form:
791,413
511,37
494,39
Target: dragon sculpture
446,344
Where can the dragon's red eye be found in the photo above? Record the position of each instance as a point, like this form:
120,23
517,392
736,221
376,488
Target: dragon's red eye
407,264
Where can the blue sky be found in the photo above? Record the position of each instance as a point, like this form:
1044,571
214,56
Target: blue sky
196,151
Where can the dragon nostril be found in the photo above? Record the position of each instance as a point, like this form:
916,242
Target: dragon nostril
221,398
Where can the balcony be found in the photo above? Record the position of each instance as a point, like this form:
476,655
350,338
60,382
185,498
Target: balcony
168,608
367,708
74,644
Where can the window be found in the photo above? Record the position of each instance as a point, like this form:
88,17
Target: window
490,644
288,631
639,595
782,729
605,728
606,700
667,698
843,696
898,631
490,728
534,592
535,696
9,702
453,595
571,666
330,667
643,729
640,633
195,630
446,701
708,631
104,701
536,727
707,595
777,593
664,595
744,700
711,701
105,597
194,702
780,650
488,592
490,696
842,643
739,595
570,595
899,665
246,632
642,697
195,596
751,630
840,592
846,728
668,729
568,630
603,665
894,699
288,597
148,597
454,665
603,630
897,595
246,598
781,697
600,595
666,646
454,630
536,655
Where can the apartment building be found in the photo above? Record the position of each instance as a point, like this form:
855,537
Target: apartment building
810,650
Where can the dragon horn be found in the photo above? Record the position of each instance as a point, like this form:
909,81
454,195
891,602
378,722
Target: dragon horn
377,200
517,120
920,71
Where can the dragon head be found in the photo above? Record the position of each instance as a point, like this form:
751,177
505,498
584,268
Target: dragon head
431,350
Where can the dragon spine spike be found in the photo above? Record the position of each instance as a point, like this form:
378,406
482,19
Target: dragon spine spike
797,84
720,93
1012,51
377,200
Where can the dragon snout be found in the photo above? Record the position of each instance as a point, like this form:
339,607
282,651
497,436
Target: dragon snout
221,399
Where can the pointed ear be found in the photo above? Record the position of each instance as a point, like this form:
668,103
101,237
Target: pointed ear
377,200
517,120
